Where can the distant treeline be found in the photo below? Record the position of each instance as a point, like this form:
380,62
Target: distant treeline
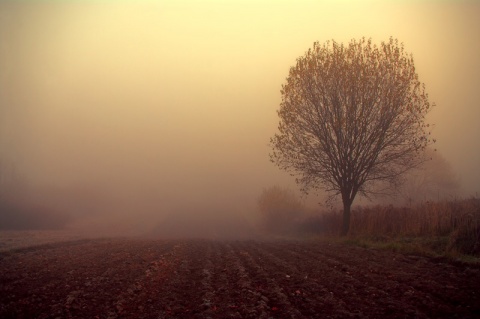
21,216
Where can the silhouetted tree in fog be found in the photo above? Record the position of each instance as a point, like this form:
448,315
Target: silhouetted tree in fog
279,208
351,115
435,179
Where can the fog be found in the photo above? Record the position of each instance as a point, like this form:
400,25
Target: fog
120,114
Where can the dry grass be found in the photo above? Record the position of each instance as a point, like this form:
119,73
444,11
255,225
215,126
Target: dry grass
447,227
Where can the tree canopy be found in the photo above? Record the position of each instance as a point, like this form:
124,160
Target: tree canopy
351,116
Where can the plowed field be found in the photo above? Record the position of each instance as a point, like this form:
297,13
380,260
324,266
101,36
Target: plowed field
132,278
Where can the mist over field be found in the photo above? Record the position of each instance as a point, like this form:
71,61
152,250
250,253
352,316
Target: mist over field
115,116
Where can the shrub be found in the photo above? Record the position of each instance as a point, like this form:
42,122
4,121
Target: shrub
280,210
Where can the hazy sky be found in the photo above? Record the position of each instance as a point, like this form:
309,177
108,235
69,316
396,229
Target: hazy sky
160,106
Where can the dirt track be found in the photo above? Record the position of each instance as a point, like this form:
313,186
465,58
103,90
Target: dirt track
125,278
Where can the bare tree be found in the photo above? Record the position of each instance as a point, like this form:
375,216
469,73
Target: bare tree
351,116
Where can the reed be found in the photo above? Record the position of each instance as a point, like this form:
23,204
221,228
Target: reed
448,226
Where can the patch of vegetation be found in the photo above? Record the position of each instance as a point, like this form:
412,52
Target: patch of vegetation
437,247
448,229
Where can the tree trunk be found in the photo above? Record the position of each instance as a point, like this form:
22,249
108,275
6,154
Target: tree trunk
346,218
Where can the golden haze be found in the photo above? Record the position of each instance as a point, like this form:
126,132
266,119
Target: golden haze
147,108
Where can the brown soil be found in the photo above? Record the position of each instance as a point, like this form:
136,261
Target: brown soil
127,278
